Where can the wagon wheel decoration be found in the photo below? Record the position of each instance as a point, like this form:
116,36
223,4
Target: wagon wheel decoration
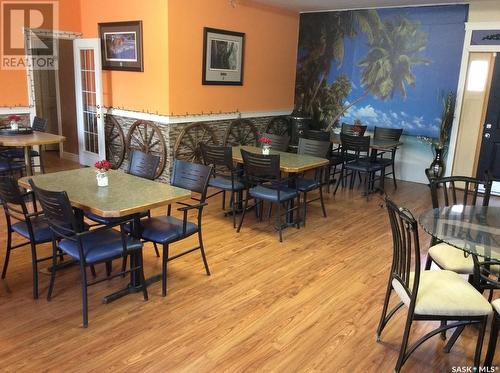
147,137
187,145
278,126
241,132
115,142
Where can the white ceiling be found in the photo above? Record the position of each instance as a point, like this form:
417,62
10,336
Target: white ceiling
318,5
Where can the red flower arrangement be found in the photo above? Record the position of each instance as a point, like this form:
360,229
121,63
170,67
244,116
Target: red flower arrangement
14,118
103,165
265,140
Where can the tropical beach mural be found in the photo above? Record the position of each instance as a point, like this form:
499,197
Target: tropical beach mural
389,67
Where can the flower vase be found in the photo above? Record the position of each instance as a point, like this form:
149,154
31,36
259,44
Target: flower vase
436,169
102,178
13,125
265,149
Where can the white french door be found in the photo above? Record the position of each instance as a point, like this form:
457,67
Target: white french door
88,86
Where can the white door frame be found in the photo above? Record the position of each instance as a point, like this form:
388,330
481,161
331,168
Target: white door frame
86,157
468,48
56,34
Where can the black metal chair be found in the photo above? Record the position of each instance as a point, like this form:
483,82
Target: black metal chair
356,160
99,245
305,185
428,295
225,177
11,167
450,191
264,183
40,125
278,143
142,165
391,134
347,129
492,344
318,135
168,229
26,222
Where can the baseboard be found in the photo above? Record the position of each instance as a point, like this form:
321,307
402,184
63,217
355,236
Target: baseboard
71,157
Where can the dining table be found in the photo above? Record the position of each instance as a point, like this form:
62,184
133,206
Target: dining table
125,196
26,141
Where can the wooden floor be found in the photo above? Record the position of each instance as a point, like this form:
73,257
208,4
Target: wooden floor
311,303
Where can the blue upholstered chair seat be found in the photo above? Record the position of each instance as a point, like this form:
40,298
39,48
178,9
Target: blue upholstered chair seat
40,227
6,166
100,246
364,166
18,153
271,194
384,161
305,185
164,229
224,183
108,221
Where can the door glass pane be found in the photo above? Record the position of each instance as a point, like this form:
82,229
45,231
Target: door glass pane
89,101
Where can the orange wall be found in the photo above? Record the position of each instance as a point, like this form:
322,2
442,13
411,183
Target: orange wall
14,90
270,56
138,91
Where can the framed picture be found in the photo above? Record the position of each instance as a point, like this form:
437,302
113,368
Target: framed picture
223,53
121,46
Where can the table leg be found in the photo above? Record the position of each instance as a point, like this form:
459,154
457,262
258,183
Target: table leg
27,161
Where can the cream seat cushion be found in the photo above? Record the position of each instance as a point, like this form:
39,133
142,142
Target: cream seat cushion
496,305
444,293
452,259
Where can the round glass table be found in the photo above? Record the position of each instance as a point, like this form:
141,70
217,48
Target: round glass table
473,229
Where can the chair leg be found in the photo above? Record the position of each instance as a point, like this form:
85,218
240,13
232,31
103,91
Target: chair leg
443,333
156,250
223,200
480,339
7,254
42,163
164,261
339,180
245,206
382,322
52,272
141,276
404,343
85,308
34,269
124,265
394,177
278,221
109,268
92,270
233,207
321,200
428,262
305,209
203,255
492,344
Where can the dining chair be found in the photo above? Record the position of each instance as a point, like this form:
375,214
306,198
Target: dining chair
225,176
40,125
356,160
390,134
86,247
318,135
264,183
318,149
428,295
347,129
11,167
141,165
492,344
449,191
278,143
168,229
26,222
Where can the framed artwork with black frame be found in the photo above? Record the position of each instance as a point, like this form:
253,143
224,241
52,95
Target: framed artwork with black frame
121,45
223,55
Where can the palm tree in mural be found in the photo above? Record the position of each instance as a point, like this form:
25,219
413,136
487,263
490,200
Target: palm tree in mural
387,68
321,41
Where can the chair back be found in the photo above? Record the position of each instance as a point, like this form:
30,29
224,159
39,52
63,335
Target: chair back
57,211
278,143
143,165
39,124
383,133
12,200
347,129
354,147
219,157
455,190
405,269
313,147
191,176
260,168
318,135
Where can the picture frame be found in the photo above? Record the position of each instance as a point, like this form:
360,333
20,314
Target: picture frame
122,46
223,57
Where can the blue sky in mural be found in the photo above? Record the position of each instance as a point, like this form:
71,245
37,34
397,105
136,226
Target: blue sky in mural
419,113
